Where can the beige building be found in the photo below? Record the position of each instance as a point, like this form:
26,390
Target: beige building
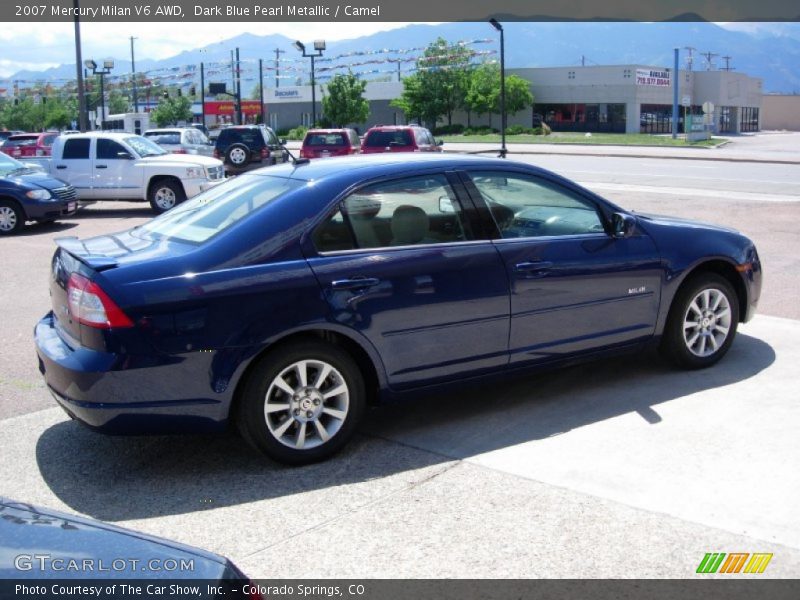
781,112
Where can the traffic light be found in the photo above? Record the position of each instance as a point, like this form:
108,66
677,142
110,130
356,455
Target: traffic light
192,91
180,92
166,95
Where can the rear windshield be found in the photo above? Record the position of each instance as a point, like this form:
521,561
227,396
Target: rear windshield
252,138
213,211
325,139
164,137
21,141
382,139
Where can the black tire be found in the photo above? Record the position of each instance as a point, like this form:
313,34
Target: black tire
12,218
682,343
165,194
237,155
277,434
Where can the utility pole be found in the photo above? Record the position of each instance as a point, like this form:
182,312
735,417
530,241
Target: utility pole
709,56
689,57
278,53
78,69
203,91
133,78
728,66
261,88
238,88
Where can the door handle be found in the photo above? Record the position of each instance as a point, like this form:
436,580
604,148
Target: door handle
355,284
61,166
532,267
101,166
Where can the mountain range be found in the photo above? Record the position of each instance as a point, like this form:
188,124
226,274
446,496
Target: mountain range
768,51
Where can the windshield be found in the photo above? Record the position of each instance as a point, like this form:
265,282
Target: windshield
9,165
215,210
144,147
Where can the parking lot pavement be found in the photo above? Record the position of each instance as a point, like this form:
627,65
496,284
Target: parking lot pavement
620,468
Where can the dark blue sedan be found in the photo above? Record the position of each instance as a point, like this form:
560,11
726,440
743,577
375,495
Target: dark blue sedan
27,194
288,299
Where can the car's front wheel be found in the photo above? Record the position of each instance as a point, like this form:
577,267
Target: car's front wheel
165,194
302,402
702,322
12,219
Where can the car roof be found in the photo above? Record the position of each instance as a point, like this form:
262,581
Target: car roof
338,130
168,129
116,135
366,166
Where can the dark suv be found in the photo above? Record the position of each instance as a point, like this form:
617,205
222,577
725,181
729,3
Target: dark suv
245,147
399,138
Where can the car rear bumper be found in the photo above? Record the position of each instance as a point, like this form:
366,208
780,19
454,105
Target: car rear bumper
100,390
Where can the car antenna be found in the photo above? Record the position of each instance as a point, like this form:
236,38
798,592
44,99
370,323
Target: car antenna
295,161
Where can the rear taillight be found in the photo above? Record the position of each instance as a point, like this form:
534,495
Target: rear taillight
179,151
90,305
264,153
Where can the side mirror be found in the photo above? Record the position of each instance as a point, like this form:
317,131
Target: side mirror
283,141
124,155
623,225
446,205
440,142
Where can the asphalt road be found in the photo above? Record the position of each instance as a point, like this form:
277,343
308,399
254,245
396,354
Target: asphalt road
621,468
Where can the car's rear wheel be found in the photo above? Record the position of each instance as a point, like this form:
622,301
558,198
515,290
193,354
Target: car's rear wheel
302,402
237,155
165,194
12,218
702,322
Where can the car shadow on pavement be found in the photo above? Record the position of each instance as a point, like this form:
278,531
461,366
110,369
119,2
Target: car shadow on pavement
125,478
138,210
48,228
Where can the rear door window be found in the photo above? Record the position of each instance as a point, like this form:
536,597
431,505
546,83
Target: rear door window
76,149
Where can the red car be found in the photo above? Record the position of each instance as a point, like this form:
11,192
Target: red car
24,145
399,138
321,143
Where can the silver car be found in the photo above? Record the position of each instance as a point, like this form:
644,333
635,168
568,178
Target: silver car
181,140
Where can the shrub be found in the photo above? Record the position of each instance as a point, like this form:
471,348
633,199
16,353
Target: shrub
454,129
298,133
517,130
482,130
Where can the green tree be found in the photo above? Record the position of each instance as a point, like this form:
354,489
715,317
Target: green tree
344,102
172,110
438,87
483,94
117,102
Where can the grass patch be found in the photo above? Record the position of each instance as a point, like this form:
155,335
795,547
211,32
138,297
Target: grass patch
596,139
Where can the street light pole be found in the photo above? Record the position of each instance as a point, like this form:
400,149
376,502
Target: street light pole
78,61
133,78
107,66
319,46
499,28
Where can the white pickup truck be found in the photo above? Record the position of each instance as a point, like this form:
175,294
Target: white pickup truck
124,166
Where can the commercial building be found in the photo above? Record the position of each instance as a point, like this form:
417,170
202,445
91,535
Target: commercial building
620,98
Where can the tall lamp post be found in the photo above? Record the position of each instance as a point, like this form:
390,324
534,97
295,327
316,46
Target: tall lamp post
499,28
107,66
319,46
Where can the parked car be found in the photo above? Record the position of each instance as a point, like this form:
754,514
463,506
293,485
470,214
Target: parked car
288,299
399,138
42,544
25,145
181,140
246,147
201,128
323,143
124,166
5,134
30,195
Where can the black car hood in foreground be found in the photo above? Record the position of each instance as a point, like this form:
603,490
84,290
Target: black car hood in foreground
37,543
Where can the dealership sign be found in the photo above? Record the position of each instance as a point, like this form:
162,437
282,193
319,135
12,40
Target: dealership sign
652,77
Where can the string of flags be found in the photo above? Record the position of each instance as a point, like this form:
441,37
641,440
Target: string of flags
285,69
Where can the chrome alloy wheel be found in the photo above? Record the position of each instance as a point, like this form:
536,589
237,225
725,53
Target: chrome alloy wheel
306,404
8,218
707,322
165,198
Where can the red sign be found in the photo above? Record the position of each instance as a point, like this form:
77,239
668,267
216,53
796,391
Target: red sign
249,107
